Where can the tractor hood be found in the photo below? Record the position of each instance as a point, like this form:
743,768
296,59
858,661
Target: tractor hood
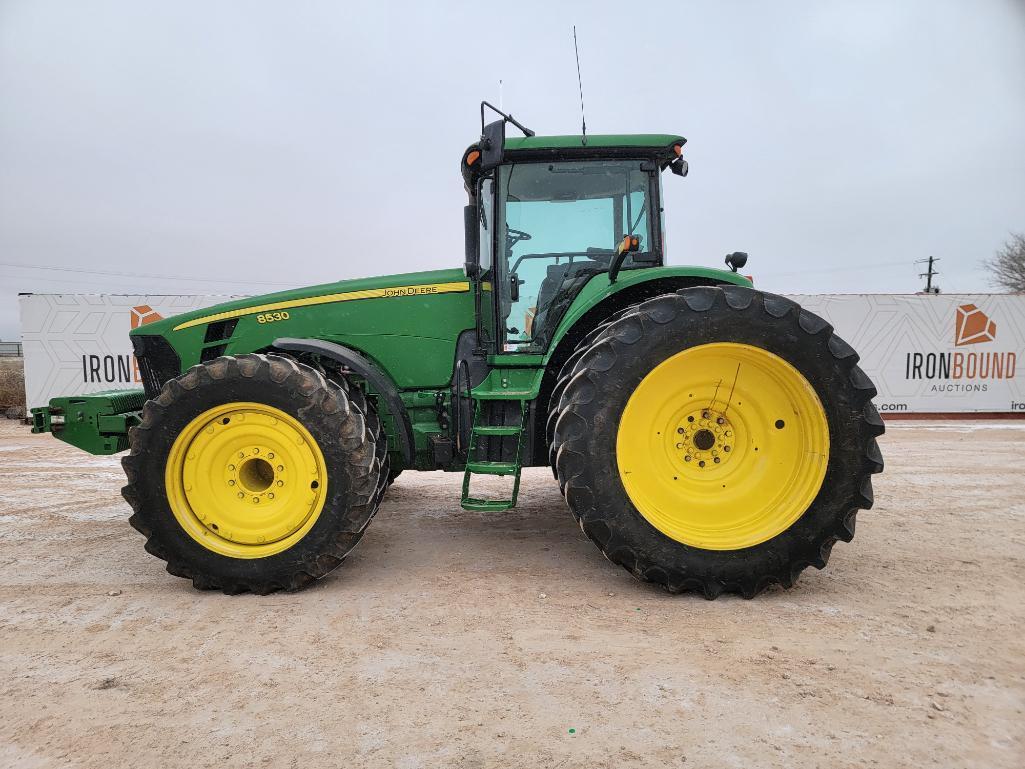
407,324
383,286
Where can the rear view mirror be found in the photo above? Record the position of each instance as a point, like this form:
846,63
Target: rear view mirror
471,263
736,260
492,145
628,244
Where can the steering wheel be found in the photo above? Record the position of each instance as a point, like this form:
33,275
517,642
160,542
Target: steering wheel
512,237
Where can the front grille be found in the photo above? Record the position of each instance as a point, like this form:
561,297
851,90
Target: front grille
158,362
209,353
220,330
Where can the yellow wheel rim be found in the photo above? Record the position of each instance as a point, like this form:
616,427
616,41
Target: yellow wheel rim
723,446
246,480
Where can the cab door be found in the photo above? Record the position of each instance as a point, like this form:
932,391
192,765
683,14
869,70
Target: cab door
559,224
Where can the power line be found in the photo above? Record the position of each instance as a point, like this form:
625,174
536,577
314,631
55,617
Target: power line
125,285
148,276
100,280
855,268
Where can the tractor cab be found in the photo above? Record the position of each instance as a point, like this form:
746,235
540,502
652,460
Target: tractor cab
548,214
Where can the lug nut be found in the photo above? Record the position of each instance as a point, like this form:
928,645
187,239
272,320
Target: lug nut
720,421
231,483
687,458
725,448
701,463
716,460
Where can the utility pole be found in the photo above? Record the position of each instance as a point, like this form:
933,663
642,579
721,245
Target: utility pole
928,275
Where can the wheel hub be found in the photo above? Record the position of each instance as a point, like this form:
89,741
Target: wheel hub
705,438
255,477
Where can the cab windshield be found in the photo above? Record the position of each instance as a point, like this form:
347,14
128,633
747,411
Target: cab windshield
561,223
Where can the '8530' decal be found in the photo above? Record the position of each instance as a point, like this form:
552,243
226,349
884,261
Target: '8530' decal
272,317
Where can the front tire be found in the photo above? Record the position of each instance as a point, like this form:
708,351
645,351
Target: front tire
376,433
717,440
251,473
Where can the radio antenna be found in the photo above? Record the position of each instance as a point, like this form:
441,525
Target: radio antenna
580,85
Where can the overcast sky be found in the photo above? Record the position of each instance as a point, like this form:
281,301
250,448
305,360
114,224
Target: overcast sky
249,146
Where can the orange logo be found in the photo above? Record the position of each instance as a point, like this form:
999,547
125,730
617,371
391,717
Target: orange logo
973,326
144,314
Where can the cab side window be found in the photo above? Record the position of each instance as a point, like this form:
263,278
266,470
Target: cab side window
487,213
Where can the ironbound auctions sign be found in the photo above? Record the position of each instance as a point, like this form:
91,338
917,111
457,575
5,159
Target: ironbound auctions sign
936,353
78,343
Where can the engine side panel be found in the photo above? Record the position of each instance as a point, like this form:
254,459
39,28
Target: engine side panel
407,324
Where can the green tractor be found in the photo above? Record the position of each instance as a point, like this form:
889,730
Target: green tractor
706,436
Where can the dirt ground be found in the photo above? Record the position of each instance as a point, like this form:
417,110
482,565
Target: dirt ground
457,639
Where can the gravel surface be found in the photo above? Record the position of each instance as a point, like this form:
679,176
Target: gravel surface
457,639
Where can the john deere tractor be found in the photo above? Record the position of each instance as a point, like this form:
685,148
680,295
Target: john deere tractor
706,436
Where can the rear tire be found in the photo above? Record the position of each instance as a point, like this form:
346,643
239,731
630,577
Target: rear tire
566,373
591,415
267,400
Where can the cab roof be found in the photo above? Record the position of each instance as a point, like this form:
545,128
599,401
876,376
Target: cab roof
593,142
661,148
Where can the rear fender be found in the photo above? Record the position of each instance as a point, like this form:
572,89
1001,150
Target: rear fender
599,299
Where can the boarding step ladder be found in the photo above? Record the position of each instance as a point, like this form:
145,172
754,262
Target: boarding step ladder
476,466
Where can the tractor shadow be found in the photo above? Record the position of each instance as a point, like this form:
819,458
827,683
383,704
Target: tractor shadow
421,527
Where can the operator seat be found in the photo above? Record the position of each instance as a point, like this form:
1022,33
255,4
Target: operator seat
561,278
550,286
